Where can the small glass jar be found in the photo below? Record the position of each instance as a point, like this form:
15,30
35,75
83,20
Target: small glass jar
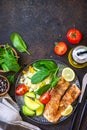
77,57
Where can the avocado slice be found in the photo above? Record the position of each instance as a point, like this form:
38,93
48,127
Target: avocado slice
40,110
30,94
31,104
27,112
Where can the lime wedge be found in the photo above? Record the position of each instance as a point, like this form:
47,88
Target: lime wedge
67,111
68,74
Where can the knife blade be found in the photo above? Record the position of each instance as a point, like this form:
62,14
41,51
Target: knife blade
84,83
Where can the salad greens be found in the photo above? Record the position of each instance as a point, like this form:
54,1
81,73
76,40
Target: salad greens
8,60
11,78
44,69
40,76
45,64
19,43
43,89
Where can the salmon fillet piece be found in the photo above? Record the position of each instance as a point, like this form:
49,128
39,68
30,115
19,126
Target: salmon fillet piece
56,95
70,96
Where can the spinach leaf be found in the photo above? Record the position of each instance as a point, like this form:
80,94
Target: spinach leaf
11,78
55,78
45,64
54,82
40,76
19,43
49,64
43,89
4,67
11,62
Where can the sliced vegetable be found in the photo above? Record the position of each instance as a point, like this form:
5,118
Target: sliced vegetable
30,94
21,89
45,98
74,36
40,110
31,104
27,112
19,43
60,48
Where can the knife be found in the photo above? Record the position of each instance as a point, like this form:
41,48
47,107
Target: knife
82,114
84,83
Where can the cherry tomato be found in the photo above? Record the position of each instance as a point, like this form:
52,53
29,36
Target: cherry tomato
45,98
74,36
21,89
60,48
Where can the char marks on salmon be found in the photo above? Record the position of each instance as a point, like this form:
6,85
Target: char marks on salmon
56,94
60,100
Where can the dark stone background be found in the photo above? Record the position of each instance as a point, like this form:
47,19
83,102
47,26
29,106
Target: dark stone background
41,23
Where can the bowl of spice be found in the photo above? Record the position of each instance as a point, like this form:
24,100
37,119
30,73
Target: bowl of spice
8,56
4,85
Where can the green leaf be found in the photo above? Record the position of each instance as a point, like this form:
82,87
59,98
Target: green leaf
40,76
4,67
1,61
11,78
43,89
11,62
19,43
54,81
49,64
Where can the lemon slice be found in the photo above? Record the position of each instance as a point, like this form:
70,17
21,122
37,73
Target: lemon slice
68,74
67,111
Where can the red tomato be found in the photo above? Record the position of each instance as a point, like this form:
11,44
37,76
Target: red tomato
74,36
60,48
45,98
21,89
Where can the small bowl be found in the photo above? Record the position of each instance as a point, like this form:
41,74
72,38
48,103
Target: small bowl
15,53
4,85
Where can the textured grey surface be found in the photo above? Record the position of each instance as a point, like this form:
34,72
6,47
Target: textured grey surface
41,23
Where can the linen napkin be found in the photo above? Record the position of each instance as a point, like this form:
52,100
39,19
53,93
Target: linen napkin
9,113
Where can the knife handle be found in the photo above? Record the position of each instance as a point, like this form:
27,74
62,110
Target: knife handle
82,114
75,117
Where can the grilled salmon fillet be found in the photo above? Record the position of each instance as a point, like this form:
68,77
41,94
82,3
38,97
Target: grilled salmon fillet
56,93
70,96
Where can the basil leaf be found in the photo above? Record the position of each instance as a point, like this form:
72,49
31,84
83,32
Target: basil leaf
40,76
43,89
19,43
